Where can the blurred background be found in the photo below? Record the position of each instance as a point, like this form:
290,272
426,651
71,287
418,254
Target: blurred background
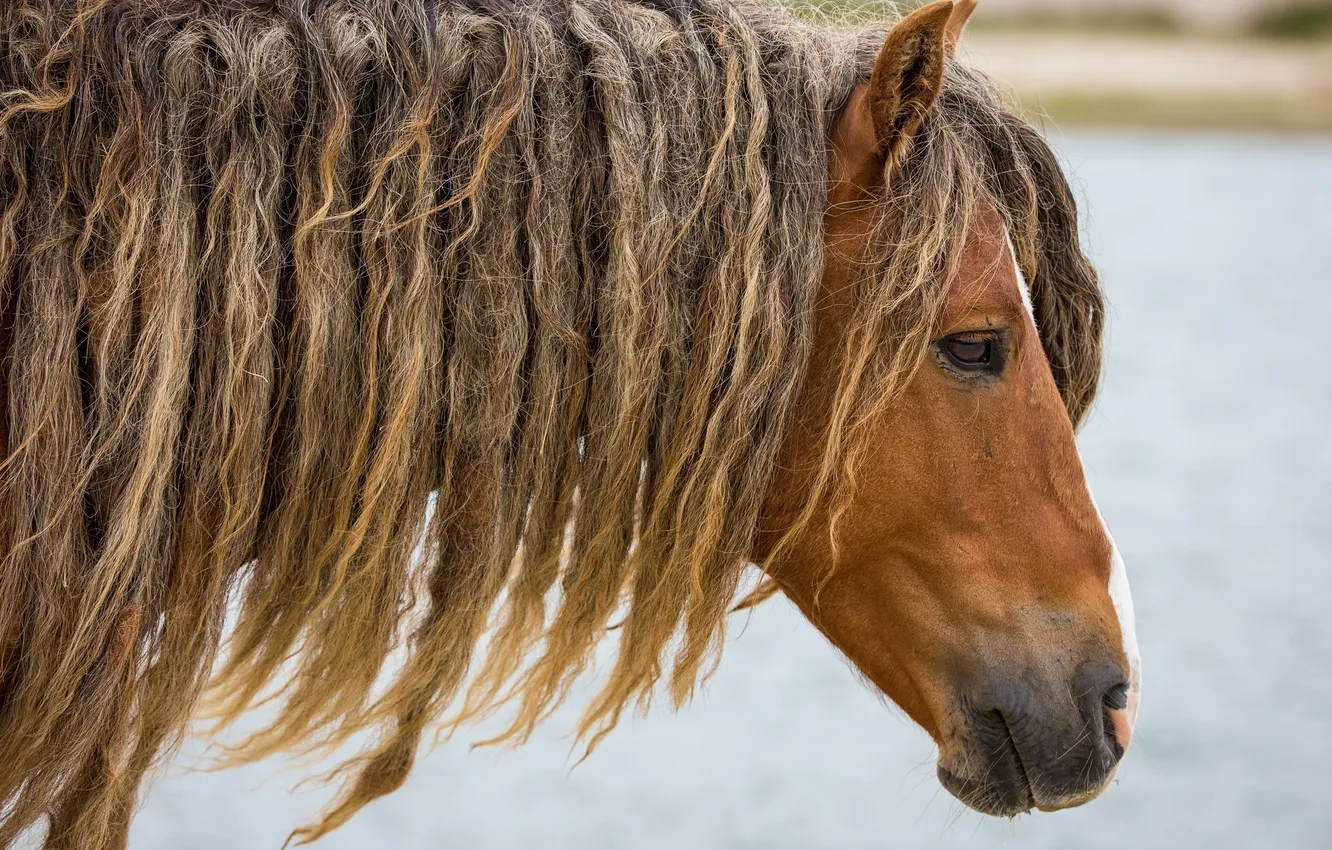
1198,135
1149,63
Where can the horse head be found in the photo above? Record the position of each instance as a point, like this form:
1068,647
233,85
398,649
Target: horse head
969,575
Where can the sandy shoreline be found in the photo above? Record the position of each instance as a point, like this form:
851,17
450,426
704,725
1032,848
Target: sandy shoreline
1161,80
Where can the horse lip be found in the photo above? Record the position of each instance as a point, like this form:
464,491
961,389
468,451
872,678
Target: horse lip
1029,796
1059,803
994,793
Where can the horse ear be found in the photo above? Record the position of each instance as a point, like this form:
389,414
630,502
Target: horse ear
957,22
908,75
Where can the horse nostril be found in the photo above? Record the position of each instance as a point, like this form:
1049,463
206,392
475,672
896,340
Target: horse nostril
1116,698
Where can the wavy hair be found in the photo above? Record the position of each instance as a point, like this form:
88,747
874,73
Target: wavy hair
339,334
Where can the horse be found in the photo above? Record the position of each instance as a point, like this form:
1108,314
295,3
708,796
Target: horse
378,360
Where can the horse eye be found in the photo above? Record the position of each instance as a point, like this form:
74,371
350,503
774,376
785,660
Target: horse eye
969,351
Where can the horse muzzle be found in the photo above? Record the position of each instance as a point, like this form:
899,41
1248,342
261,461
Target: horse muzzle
1023,745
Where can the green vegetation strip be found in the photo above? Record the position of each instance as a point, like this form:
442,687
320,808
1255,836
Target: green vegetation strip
1311,114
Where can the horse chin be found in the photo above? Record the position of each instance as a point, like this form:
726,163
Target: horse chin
1007,792
1002,768
1003,790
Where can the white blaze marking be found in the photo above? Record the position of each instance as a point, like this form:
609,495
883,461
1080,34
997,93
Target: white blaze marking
1118,587
1122,599
1022,282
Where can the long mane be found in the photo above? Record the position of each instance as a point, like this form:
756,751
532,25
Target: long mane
353,332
